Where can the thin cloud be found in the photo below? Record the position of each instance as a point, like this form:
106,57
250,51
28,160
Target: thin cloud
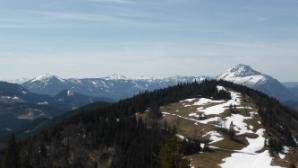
119,19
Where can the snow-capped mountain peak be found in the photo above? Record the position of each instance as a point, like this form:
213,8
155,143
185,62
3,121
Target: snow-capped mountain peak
47,77
243,74
115,77
241,70
247,76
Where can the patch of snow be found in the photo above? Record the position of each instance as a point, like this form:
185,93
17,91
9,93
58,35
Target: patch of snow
70,93
204,101
194,115
189,100
209,120
15,98
295,139
247,81
220,108
282,155
202,145
94,83
239,125
115,77
285,151
185,118
249,155
220,88
181,137
43,103
6,97
214,136
200,108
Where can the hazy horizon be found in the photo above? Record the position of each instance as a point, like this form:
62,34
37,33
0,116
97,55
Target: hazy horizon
93,38
22,79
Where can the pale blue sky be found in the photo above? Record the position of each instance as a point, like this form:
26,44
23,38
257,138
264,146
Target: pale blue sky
92,38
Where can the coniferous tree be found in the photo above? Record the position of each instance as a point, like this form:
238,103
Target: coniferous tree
232,132
12,158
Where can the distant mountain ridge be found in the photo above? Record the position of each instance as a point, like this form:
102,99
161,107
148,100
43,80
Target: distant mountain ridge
118,87
291,84
114,87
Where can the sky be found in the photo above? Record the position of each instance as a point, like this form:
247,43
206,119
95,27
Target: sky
156,38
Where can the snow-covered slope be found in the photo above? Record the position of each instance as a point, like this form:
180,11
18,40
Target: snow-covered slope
46,84
216,121
113,86
245,75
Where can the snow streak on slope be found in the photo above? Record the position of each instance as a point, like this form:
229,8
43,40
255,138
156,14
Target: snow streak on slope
218,109
250,157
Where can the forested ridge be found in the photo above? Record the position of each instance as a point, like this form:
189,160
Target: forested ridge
113,137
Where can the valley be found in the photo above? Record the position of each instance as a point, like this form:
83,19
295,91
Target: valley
24,112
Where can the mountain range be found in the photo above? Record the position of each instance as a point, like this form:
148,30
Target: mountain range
118,87
114,87
48,96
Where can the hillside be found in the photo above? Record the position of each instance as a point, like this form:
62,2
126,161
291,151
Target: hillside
22,111
234,130
73,100
211,124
